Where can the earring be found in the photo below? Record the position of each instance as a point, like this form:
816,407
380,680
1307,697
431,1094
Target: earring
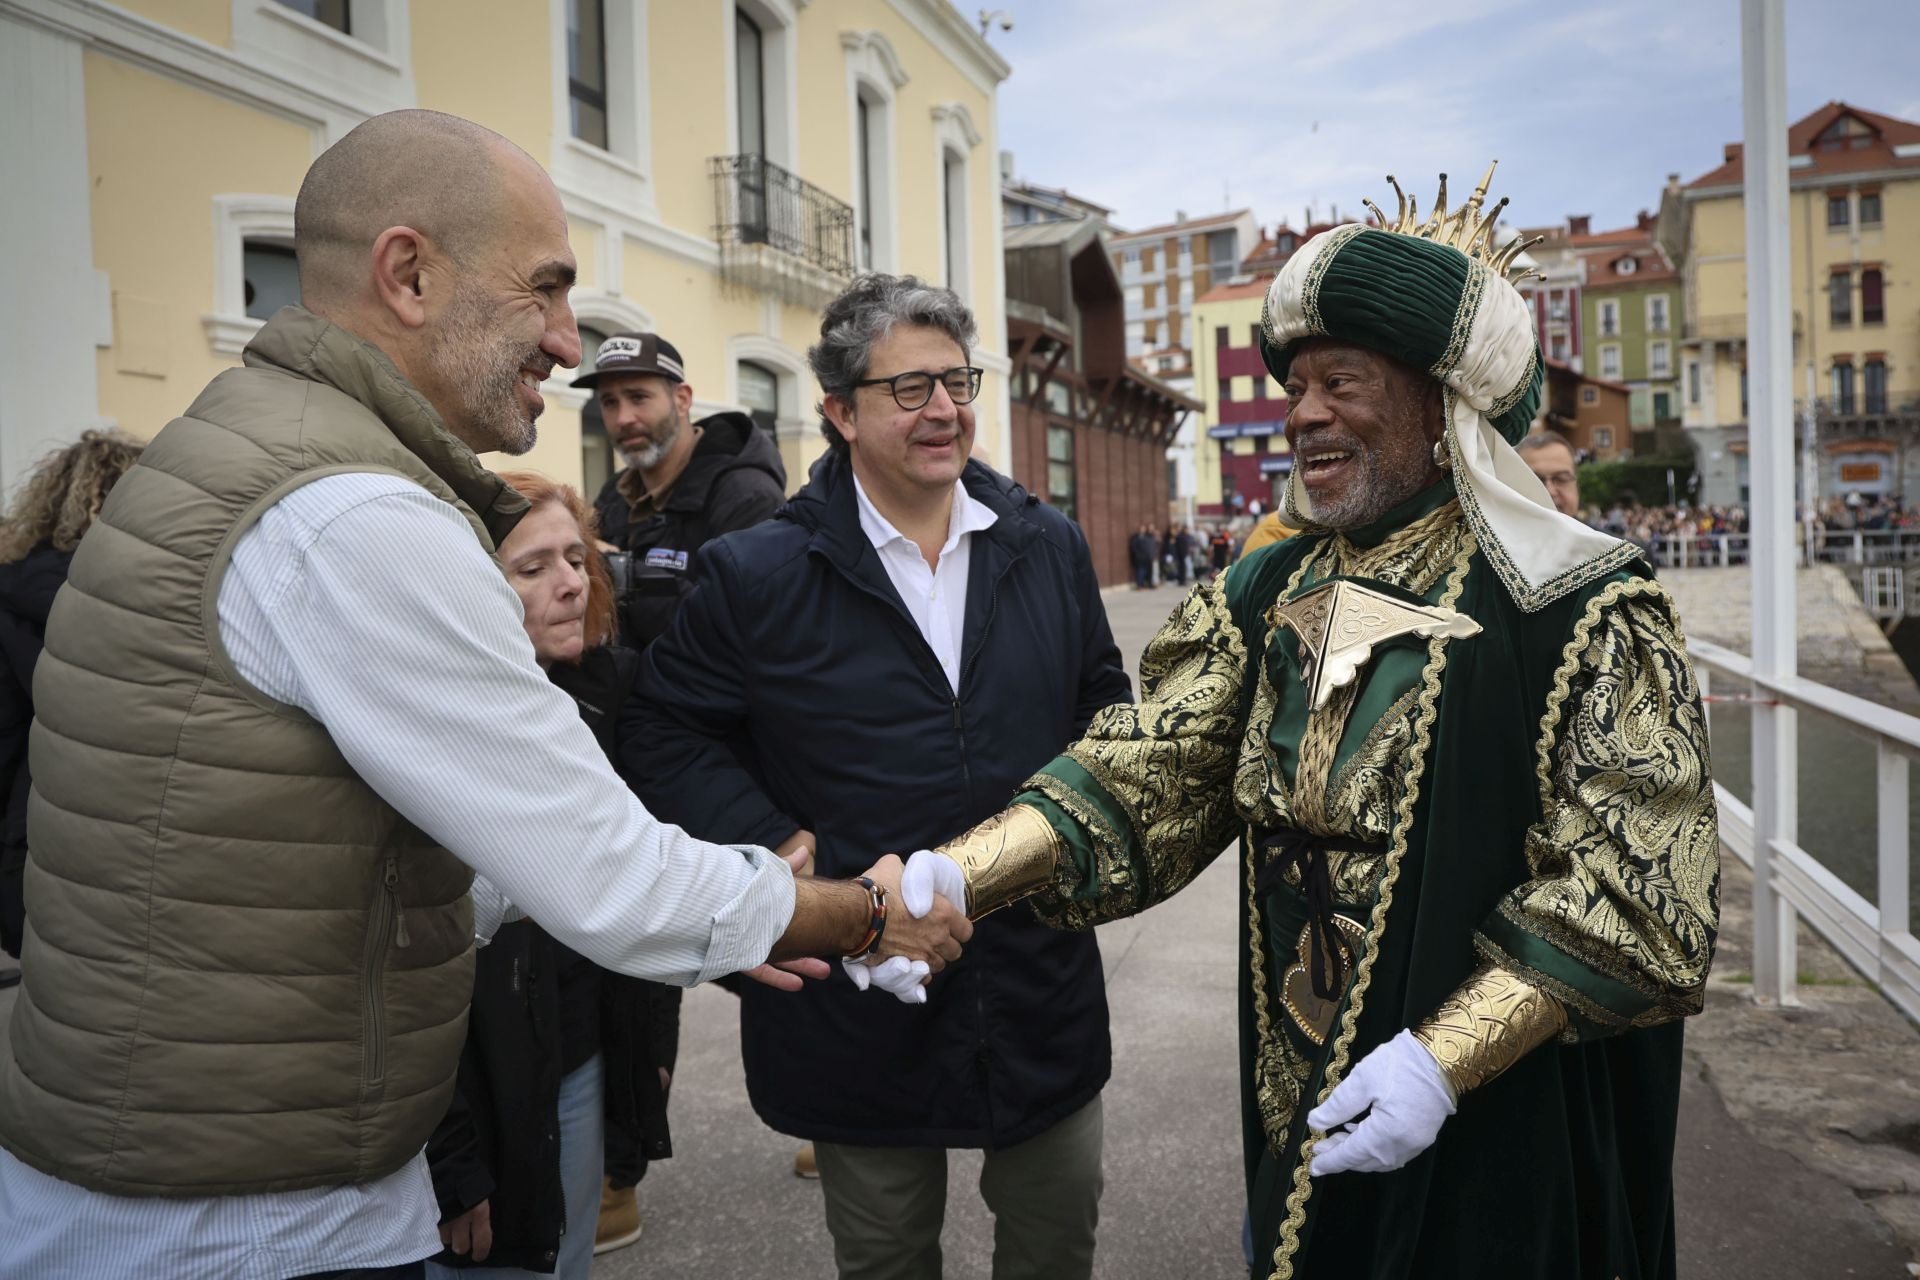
1441,458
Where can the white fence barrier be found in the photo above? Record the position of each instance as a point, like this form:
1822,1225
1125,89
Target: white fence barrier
1875,937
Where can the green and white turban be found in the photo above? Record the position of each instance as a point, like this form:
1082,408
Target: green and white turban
1435,295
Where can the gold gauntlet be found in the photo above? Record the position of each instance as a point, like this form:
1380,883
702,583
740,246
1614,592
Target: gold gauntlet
1493,1020
1008,857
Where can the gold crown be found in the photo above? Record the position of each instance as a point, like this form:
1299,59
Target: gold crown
1463,229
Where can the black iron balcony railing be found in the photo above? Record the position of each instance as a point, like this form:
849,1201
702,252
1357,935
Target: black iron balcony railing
1866,410
756,202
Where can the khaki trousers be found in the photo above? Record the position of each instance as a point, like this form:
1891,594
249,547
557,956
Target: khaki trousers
885,1205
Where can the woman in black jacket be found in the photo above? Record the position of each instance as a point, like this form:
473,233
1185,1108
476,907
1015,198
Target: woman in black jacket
56,506
566,1066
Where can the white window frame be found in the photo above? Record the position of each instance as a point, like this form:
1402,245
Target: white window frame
793,376
1659,302
236,220
1610,361
1603,437
780,98
954,139
874,72
1659,358
1693,382
369,71
1609,307
621,176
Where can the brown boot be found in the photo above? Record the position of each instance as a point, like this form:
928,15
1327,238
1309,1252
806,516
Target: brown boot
620,1222
804,1165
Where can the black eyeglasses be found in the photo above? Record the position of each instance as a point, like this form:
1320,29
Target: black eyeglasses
913,389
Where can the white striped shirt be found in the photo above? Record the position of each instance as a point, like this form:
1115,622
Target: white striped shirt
366,602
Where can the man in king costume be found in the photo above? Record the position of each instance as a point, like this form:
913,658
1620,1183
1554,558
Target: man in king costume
1463,744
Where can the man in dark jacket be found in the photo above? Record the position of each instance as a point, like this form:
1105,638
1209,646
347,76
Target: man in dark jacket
684,482
1142,547
891,654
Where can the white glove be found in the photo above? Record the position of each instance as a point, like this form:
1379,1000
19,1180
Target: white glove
1410,1098
901,978
929,873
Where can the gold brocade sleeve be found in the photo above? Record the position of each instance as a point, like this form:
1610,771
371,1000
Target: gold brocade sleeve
1619,918
1144,801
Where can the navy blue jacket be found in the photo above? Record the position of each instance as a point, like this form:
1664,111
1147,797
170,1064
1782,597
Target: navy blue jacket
794,691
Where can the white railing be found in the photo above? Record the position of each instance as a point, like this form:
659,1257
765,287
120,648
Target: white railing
1829,546
1875,937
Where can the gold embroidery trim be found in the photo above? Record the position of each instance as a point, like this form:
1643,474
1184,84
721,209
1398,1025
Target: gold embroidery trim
1010,856
1493,1020
1424,715
1256,935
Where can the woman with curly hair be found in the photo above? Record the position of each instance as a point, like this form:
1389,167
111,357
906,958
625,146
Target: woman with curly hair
55,506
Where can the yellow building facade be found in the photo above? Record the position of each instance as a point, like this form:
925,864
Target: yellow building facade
1854,196
153,148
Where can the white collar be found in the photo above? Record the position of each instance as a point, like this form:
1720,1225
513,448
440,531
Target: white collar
969,515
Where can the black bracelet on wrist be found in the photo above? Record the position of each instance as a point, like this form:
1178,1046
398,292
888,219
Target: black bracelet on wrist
877,927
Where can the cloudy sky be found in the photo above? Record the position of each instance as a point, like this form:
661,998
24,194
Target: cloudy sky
1204,105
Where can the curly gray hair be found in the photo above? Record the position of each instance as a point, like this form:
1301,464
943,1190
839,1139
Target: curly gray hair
867,312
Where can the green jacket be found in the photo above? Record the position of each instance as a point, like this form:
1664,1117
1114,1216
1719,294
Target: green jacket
247,972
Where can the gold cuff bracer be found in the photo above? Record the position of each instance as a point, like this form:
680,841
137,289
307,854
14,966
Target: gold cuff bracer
1493,1020
1010,856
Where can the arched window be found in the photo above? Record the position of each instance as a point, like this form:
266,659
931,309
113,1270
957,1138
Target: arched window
759,389
596,450
270,277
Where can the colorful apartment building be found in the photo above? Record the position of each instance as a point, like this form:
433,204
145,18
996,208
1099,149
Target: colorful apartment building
726,165
1854,197
1631,315
1240,455
1163,270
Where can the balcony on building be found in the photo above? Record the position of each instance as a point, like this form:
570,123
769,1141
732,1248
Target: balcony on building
1868,415
778,233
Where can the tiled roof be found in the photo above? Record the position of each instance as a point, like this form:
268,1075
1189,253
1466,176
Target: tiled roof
1879,153
1650,267
1569,370
1254,288
1182,228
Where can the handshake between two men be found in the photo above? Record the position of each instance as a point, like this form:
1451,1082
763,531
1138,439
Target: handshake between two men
911,920
861,920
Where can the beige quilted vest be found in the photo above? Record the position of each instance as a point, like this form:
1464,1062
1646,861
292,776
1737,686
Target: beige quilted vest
244,970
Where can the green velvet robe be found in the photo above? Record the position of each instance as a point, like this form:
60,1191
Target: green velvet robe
1536,795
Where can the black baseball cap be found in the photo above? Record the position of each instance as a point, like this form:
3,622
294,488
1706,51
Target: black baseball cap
647,353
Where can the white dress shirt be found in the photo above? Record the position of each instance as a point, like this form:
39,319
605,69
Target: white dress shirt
366,601
936,596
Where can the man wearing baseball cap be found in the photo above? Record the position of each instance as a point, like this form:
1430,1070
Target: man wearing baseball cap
682,484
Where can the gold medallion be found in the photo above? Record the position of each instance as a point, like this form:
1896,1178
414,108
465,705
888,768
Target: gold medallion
1313,1015
1340,622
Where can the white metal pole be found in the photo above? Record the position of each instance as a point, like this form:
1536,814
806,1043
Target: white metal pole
1770,436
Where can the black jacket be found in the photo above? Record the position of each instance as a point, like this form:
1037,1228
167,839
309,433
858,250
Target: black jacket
795,691
734,480
500,1139
1142,548
27,588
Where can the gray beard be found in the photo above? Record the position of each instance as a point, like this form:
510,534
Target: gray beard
648,456
485,371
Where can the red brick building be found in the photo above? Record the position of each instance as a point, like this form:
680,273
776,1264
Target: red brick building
1090,431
